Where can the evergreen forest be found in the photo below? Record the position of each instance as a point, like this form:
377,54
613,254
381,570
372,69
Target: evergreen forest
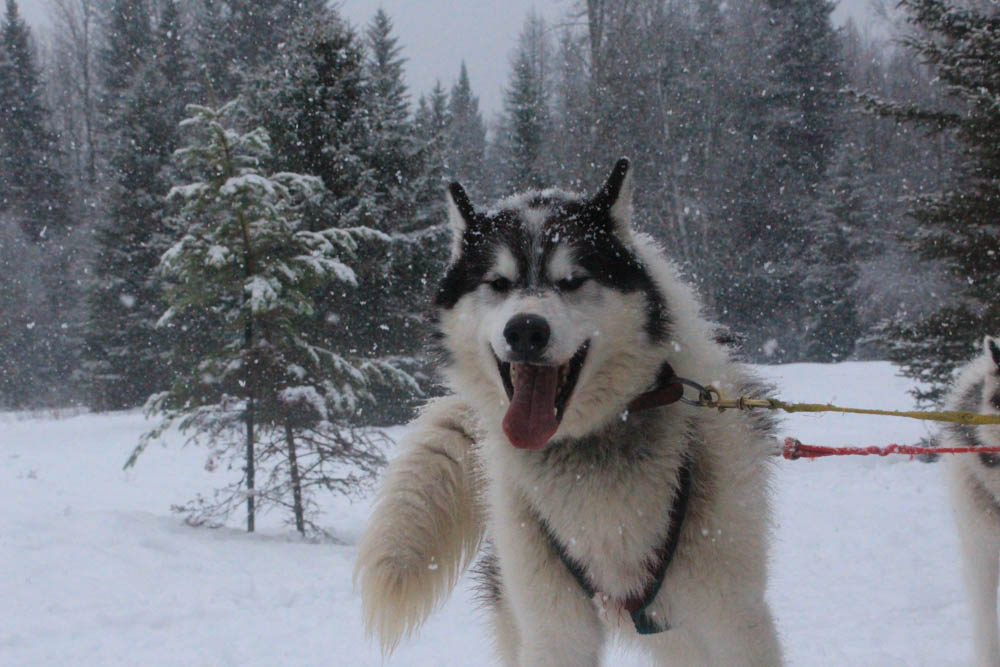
231,213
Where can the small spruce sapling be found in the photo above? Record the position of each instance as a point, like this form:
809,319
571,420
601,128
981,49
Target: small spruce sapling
263,390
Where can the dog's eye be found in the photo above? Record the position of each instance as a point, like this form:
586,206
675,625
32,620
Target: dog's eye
571,284
500,284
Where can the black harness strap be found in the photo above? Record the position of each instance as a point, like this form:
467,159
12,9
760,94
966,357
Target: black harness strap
638,605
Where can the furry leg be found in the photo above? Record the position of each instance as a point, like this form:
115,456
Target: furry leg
728,633
557,626
426,526
747,637
505,634
977,520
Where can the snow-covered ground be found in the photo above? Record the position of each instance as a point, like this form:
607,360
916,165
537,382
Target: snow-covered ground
94,568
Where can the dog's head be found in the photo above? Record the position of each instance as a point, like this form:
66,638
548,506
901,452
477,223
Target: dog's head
548,314
978,389
989,399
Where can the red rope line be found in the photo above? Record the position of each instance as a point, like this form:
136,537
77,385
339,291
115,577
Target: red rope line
794,450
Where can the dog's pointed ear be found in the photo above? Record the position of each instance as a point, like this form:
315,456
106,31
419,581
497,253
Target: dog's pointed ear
461,216
615,198
990,345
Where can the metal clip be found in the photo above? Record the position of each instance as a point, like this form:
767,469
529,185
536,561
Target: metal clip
707,396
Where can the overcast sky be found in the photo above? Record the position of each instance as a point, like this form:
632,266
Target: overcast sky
438,34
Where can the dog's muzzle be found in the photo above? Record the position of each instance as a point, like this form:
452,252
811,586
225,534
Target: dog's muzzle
538,392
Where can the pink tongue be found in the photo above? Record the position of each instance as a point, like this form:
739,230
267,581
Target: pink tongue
531,420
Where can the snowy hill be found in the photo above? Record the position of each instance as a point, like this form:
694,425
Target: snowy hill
96,570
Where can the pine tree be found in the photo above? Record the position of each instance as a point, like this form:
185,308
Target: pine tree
392,149
235,37
422,256
431,127
215,51
24,370
466,136
525,129
807,75
788,105
571,113
266,389
842,239
7,89
313,102
38,349
125,348
894,162
175,61
32,188
128,35
317,102
957,225
404,167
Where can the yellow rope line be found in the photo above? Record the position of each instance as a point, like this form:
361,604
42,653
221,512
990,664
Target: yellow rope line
744,403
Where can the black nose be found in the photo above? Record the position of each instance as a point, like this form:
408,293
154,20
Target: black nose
527,336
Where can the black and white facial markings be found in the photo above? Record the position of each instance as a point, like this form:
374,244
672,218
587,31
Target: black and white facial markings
549,242
545,298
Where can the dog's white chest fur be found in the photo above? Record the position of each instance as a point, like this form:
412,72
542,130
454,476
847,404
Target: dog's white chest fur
610,512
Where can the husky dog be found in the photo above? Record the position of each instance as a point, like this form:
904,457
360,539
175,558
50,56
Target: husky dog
603,507
975,495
